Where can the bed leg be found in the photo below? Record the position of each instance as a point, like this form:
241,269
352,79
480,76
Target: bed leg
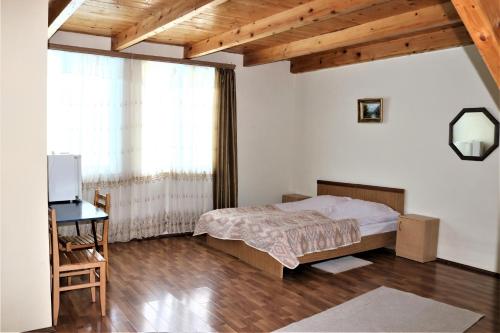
276,272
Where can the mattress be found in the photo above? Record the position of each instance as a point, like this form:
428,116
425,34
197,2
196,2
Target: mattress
378,228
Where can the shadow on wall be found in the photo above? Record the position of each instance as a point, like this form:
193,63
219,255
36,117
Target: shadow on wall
490,84
482,70
498,241
498,238
497,285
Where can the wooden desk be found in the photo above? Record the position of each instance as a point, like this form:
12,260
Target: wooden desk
76,212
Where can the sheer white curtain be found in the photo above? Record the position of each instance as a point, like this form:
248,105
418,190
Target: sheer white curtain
144,130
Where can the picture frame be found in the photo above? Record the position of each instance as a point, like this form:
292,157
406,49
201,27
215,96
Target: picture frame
370,110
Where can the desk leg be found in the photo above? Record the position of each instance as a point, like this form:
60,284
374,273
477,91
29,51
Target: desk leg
94,233
77,228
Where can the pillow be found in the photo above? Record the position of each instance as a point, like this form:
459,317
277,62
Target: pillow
322,203
366,212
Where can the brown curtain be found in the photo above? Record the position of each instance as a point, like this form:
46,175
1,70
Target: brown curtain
225,144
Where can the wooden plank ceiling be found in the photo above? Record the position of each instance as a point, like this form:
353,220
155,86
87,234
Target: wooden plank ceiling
313,34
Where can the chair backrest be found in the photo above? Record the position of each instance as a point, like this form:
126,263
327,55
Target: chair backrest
102,201
53,240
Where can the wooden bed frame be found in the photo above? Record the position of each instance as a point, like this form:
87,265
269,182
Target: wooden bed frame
392,197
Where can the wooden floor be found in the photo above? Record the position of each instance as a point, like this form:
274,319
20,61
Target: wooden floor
178,284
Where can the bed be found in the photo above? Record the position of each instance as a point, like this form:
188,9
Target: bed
372,236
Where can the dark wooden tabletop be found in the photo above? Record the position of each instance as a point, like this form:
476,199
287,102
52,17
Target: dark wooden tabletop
77,212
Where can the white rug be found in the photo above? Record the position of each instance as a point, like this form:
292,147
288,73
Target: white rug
340,265
388,310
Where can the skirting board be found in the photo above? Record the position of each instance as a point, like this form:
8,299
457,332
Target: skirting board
456,264
468,268
44,330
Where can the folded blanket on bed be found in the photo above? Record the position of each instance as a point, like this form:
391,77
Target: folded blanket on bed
283,235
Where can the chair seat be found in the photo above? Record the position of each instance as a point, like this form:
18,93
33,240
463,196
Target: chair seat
71,261
79,242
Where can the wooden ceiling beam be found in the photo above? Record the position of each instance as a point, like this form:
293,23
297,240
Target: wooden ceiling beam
296,17
422,42
168,17
482,20
59,12
437,16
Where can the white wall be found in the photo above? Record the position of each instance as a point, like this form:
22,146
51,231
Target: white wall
422,93
295,129
25,276
265,117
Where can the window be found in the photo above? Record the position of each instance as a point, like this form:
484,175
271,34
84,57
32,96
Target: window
130,118
178,114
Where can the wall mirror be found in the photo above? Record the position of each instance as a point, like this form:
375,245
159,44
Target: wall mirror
474,134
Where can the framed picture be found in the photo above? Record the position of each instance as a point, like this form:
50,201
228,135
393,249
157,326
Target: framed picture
370,110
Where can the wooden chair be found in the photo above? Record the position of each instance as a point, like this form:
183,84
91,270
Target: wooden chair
67,264
79,242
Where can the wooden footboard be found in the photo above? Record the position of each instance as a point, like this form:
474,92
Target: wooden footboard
271,266
248,254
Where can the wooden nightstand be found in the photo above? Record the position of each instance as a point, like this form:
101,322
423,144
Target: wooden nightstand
417,237
293,197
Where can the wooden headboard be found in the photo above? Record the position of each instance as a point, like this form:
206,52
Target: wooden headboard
392,197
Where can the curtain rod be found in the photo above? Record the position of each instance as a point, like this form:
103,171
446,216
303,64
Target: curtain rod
126,55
